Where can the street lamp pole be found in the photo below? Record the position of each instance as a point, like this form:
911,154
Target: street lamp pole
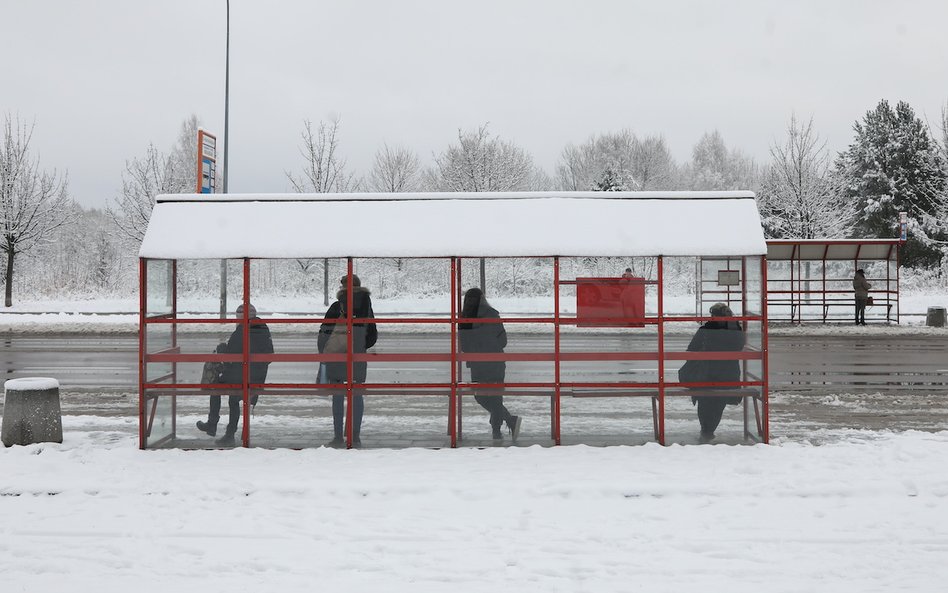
226,159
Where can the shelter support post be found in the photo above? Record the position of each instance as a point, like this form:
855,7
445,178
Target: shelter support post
349,361
453,400
661,351
245,362
174,345
142,346
458,296
555,412
765,366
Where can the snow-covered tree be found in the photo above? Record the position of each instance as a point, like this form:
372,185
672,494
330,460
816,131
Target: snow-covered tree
152,174
34,203
714,167
324,169
617,161
652,164
892,166
480,162
143,179
395,170
943,130
801,196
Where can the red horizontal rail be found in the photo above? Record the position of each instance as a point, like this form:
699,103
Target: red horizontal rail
446,357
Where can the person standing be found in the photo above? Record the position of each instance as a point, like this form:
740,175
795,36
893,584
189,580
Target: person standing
861,292
481,338
233,373
364,336
716,335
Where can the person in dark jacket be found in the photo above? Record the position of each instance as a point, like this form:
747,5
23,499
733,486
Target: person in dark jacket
486,337
715,336
260,343
364,336
861,293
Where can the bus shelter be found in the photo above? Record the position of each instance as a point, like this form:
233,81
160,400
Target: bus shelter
593,351
811,279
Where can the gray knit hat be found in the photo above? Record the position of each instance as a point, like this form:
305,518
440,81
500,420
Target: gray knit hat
253,310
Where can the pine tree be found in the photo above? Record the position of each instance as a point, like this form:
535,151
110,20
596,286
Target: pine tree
894,166
609,181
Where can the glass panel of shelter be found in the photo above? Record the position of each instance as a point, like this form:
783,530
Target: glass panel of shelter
725,353
608,347
518,291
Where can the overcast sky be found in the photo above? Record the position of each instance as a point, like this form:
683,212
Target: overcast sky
104,78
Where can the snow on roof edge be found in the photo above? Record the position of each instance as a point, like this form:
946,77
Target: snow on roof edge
420,228
410,196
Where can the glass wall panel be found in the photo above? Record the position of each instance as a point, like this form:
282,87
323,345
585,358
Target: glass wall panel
720,280
199,288
159,416
158,296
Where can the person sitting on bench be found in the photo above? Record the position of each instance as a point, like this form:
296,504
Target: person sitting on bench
714,336
260,343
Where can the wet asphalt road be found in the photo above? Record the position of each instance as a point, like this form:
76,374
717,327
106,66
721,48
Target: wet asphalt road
822,385
811,364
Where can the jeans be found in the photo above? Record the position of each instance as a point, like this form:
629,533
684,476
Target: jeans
214,414
339,414
861,310
498,412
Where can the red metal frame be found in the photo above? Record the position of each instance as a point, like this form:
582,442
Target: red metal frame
455,387
661,350
142,347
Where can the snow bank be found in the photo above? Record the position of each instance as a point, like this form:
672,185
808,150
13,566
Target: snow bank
121,315
96,514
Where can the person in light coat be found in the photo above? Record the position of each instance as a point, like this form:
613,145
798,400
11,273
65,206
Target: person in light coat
861,292
364,336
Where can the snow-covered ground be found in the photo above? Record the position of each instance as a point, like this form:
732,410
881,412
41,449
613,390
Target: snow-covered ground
121,315
865,513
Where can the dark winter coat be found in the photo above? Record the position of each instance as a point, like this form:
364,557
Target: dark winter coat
364,335
260,343
861,287
717,336
484,337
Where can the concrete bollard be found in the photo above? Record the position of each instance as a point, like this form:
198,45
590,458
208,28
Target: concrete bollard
935,317
31,412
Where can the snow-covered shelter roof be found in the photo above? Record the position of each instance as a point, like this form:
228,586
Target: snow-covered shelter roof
832,249
624,224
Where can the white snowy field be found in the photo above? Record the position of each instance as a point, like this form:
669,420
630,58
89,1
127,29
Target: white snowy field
121,315
868,512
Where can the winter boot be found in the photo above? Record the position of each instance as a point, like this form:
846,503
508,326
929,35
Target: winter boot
210,429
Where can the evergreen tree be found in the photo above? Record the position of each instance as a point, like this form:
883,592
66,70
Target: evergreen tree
609,182
894,166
